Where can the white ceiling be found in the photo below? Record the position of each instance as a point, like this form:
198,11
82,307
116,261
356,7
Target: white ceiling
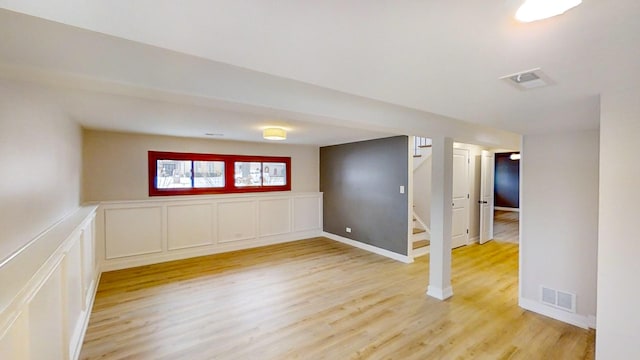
443,58
133,114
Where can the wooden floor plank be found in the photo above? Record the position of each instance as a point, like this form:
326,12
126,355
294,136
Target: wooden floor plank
506,226
319,299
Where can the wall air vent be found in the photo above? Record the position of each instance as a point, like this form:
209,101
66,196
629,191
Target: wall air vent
529,79
558,299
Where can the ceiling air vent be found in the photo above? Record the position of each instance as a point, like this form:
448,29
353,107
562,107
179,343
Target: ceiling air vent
529,79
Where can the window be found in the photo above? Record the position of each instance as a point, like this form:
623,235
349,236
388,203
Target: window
192,174
266,173
208,174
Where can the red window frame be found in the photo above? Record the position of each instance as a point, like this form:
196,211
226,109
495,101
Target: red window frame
229,173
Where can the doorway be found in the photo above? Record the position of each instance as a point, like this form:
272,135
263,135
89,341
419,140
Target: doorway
507,197
500,193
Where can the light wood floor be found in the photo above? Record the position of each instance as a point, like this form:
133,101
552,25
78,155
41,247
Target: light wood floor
318,299
506,226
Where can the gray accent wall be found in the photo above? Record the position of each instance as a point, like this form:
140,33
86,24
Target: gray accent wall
361,186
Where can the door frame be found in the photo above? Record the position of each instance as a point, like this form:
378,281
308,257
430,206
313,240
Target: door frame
487,167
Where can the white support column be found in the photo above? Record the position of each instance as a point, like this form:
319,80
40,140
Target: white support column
441,210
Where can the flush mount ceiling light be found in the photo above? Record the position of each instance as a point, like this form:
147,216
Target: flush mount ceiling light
533,10
274,134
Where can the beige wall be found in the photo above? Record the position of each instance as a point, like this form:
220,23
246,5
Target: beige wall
618,246
40,157
559,217
115,164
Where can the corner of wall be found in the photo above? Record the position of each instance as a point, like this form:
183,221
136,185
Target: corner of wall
583,321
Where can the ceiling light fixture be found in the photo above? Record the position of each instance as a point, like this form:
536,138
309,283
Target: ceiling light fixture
533,10
514,156
274,134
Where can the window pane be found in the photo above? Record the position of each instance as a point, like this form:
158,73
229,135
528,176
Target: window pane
208,174
247,173
274,174
173,174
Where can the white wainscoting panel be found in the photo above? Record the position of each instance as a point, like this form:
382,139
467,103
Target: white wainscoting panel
73,294
133,231
89,268
46,322
189,225
236,220
44,309
274,217
13,343
308,213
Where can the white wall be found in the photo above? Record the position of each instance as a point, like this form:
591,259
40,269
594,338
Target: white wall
115,164
618,248
40,153
559,221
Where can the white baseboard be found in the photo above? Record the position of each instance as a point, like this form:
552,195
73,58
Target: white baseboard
376,250
475,239
583,321
502,208
439,293
147,259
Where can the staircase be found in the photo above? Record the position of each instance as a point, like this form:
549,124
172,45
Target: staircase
421,234
421,150
420,238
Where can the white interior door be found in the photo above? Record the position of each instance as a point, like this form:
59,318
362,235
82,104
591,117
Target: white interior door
460,214
486,197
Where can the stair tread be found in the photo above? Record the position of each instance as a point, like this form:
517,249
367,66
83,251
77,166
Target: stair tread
418,231
420,244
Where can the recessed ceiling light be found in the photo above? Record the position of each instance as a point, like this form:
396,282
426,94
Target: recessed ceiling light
533,10
214,134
